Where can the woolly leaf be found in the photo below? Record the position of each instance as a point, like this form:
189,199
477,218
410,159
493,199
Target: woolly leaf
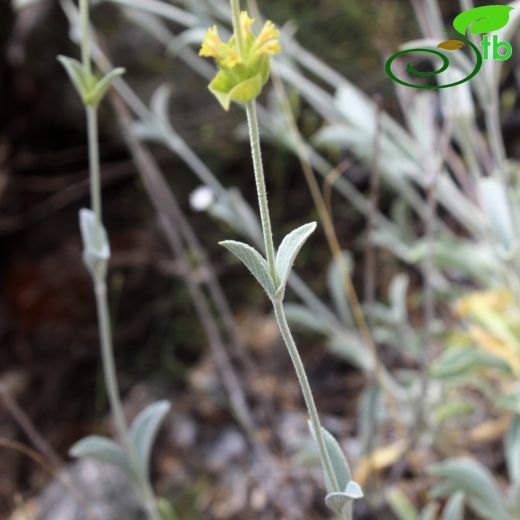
103,450
97,93
96,249
454,509
254,261
289,248
144,430
472,478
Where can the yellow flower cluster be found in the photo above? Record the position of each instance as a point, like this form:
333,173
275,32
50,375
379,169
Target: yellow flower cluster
243,72
493,324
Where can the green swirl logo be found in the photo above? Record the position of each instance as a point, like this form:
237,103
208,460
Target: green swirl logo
479,20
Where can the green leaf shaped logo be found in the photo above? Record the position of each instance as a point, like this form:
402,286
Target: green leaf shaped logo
483,19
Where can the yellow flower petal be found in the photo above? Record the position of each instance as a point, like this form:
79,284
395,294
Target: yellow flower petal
245,22
498,299
212,45
272,48
231,59
378,460
241,77
268,32
268,41
496,347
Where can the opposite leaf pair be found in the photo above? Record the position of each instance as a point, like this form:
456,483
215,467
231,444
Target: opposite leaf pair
141,437
91,89
273,281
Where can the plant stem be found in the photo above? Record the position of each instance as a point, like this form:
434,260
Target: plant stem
235,10
95,176
492,113
105,328
256,151
145,491
107,353
278,305
85,34
306,390
100,283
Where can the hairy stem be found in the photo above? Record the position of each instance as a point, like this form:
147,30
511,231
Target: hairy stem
256,151
306,390
278,305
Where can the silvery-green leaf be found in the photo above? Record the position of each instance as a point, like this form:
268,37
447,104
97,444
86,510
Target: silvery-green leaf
147,131
397,295
452,409
349,345
98,91
477,483
460,362
422,125
163,10
254,261
400,505
302,316
144,428
231,207
429,512
193,36
149,23
336,285
511,400
287,252
512,450
341,502
96,249
78,75
18,5
454,509
103,450
497,206
369,413
460,104
160,101
339,461
353,490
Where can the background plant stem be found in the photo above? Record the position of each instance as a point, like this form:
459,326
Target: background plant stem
144,488
109,370
85,34
95,175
